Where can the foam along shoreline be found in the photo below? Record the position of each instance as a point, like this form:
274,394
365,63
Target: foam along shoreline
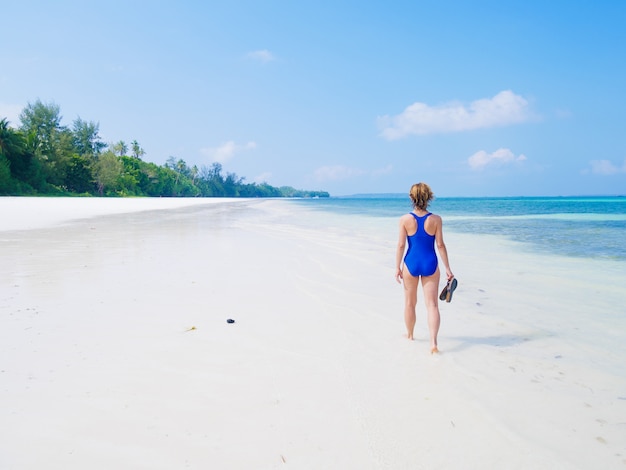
100,366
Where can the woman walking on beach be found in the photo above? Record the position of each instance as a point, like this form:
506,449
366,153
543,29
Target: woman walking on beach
422,230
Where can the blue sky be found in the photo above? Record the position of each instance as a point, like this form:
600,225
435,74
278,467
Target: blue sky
476,98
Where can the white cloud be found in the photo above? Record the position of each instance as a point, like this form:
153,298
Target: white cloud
336,172
420,119
262,55
501,156
262,178
606,167
12,113
226,151
341,172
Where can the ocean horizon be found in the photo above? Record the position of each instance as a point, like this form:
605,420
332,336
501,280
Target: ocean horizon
403,195
573,226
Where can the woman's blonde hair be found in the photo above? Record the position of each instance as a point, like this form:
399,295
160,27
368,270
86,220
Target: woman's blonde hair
421,195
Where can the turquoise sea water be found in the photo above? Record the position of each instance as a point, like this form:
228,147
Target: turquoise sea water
587,227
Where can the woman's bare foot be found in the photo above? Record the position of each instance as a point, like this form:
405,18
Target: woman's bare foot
434,350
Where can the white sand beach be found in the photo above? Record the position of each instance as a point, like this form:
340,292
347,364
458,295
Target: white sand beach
115,351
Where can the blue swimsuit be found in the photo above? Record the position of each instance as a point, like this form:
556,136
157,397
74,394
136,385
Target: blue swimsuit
420,258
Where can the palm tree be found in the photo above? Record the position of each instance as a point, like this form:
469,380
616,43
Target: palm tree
138,152
120,148
6,135
12,144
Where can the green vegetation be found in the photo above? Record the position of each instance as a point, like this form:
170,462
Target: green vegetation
42,157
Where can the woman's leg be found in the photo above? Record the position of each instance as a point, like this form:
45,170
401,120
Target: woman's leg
410,301
430,286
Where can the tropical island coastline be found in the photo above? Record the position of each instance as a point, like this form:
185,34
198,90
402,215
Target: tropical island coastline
44,158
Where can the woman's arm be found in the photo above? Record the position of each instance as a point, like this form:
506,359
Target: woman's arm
441,247
400,249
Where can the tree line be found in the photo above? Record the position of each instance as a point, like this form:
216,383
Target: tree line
43,157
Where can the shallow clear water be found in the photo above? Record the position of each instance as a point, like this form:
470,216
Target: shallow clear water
587,227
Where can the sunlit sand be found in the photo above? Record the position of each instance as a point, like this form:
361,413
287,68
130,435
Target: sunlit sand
116,350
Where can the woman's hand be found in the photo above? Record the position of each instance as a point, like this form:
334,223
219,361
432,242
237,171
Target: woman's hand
449,275
399,276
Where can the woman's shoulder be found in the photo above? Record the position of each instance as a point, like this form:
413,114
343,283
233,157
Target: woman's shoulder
435,217
406,218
